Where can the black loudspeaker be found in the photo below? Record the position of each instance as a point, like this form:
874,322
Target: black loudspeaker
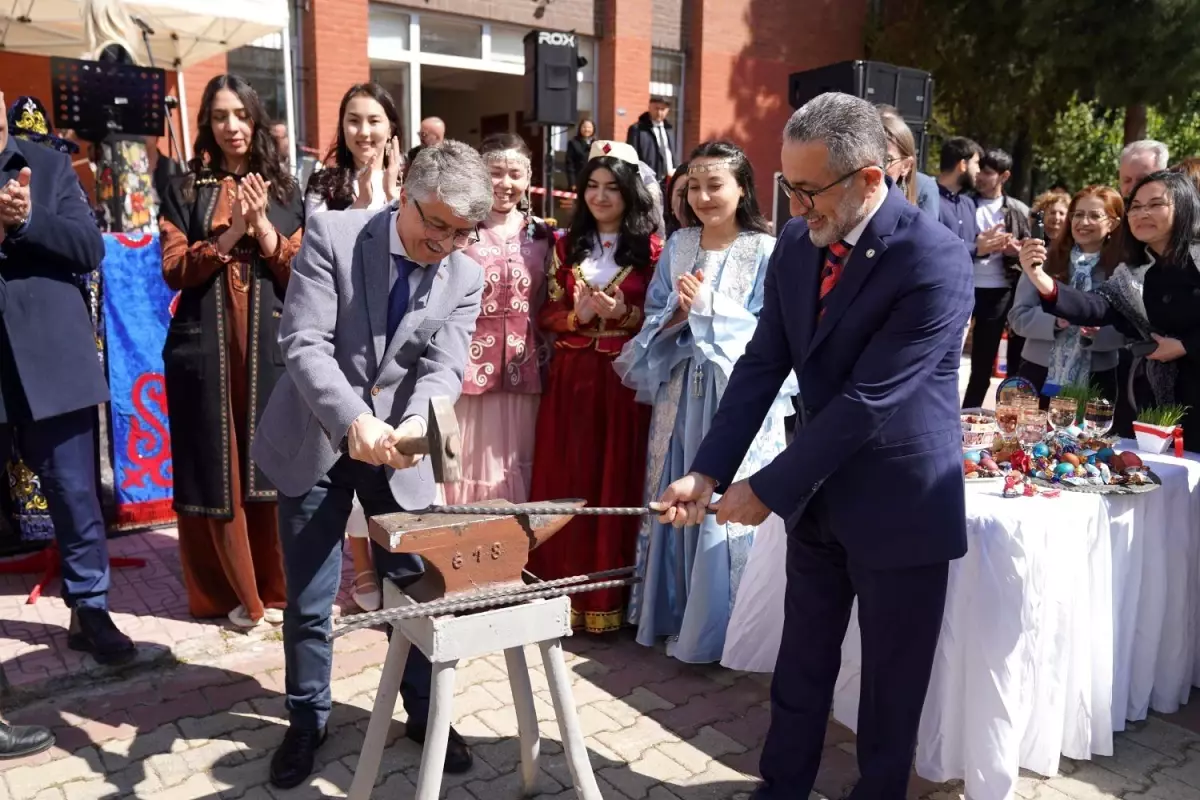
551,78
909,90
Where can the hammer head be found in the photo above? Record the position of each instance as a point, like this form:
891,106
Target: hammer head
445,441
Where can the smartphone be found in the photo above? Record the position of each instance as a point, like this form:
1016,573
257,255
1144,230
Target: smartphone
1143,348
1038,227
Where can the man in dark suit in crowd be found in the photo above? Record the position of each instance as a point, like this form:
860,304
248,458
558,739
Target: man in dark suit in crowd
866,299
654,138
51,381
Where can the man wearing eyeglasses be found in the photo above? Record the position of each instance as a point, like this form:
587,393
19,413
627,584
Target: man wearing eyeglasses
377,321
866,300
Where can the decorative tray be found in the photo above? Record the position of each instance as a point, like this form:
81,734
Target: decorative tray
1154,482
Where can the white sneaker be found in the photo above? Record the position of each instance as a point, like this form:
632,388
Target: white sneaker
241,619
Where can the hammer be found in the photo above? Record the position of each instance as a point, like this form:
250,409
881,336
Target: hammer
441,442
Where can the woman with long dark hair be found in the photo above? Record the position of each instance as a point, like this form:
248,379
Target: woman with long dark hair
588,420
1154,295
701,310
230,228
365,165
1057,353
502,386
365,169
675,200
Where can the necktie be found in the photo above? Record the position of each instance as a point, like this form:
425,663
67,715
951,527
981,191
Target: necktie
399,295
664,148
835,261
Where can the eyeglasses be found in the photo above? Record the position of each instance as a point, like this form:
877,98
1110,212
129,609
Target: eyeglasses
1153,207
440,233
1089,216
808,199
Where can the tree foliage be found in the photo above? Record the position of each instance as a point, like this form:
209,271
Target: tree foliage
1024,74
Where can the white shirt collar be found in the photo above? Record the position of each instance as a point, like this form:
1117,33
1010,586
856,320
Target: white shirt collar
853,236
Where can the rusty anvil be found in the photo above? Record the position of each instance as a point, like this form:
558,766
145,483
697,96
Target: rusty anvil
442,441
466,554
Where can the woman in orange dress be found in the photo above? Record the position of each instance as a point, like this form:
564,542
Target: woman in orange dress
230,228
591,434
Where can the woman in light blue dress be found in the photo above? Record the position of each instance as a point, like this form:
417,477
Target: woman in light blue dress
701,311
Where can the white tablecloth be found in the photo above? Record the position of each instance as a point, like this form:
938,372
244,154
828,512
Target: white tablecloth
1068,616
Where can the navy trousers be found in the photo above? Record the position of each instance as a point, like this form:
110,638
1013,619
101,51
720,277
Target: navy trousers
312,530
900,617
62,452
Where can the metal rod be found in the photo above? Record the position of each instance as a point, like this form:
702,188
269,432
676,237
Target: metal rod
550,510
469,604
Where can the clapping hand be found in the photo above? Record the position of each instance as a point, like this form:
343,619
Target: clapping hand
15,203
584,300
610,308
253,196
993,240
689,284
391,174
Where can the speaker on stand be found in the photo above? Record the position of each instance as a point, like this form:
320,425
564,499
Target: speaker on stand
551,93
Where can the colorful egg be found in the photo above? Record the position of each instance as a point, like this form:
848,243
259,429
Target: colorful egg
1131,459
1105,454
1040,450
1116,462
1075,431
973,456
1065,469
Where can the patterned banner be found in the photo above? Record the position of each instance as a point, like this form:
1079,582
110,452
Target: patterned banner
137,310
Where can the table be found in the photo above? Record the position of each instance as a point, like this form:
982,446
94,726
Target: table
1067,616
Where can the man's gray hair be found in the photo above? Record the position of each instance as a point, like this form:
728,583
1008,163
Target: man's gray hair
848,126
452,173
1158,149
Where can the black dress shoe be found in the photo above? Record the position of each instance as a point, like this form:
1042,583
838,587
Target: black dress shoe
458,755
18,741
293,761
93,631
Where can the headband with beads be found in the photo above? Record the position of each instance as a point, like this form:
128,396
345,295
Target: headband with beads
510,156
713,166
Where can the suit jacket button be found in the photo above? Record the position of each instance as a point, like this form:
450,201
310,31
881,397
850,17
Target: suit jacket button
374,390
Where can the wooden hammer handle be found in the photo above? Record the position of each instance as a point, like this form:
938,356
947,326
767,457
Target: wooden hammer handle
413,445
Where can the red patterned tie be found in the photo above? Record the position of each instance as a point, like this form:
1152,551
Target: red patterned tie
835,261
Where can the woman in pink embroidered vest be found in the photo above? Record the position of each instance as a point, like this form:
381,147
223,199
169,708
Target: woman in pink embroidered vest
503,383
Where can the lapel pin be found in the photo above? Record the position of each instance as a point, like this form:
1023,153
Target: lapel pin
870,254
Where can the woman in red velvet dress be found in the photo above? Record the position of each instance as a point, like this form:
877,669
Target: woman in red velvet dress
591,434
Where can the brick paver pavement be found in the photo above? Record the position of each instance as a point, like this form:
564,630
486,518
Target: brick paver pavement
202,716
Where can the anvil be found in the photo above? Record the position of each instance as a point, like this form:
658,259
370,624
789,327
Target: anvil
467,554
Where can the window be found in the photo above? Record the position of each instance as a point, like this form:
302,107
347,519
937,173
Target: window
666,74
451,37
508,44
388,27
262,67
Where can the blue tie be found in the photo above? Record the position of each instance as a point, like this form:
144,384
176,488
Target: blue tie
399,295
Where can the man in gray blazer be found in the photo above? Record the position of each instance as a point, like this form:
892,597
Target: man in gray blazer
379,314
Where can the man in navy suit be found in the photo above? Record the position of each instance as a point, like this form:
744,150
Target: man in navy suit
50,376
866,300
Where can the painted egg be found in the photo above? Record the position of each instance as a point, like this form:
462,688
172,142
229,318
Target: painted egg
1064,469
1075,431
1105,454
1080,472
973,456
1040,450
1131,459
1116,462
1071,458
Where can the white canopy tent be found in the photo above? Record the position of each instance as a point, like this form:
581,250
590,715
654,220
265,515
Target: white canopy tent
185,32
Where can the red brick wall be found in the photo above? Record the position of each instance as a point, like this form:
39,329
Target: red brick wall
742,52
335,36
624,77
